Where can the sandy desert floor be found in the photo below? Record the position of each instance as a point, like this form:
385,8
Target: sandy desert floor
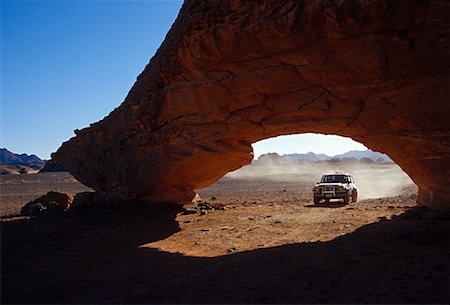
266,243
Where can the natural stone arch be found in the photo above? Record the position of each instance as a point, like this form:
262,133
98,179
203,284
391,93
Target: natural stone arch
231,73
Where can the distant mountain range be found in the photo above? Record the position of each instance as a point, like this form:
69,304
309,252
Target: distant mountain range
356,155
9,158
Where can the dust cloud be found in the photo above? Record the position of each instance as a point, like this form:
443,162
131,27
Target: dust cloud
373,179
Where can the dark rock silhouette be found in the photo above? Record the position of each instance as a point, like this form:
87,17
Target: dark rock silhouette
52,166
51,204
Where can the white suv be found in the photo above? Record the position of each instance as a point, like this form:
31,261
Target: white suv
335,186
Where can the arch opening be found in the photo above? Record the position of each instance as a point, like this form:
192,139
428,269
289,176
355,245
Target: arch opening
301,160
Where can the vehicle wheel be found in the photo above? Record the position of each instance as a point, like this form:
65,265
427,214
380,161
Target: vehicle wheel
316,200
346,199
354,196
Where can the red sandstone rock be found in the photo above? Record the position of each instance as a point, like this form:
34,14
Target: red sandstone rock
231,73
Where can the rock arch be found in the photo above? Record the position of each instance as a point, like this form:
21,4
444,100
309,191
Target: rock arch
231,73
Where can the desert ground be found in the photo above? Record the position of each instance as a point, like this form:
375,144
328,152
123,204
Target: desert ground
252,237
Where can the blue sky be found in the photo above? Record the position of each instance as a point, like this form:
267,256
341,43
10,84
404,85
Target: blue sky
324,144
66,64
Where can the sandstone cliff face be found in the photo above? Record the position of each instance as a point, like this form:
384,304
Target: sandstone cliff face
231,73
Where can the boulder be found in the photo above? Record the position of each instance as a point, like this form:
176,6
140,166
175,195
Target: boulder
86,200
52,204
231,73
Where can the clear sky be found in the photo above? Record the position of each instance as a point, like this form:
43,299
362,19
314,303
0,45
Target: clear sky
66,64
330,145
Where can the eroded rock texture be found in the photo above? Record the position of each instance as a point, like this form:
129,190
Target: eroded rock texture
231,73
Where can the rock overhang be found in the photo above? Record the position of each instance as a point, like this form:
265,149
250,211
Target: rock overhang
233,73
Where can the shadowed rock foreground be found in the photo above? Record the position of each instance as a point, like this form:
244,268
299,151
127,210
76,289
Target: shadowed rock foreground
231,73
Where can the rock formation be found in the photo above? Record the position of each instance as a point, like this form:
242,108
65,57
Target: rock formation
52,204
231,73
52,166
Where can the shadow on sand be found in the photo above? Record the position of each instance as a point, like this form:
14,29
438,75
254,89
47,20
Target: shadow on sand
98,260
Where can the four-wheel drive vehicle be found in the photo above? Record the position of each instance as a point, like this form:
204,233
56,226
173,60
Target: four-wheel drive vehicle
335,186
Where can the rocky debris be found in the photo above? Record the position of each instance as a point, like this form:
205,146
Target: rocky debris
231,250
227,228
52,204
189,211
203,206
86,200
197,198
231,73
83,200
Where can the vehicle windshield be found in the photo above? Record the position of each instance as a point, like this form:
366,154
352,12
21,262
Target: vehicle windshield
334,179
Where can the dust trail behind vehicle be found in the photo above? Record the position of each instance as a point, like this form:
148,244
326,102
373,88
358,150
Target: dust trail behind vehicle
374,179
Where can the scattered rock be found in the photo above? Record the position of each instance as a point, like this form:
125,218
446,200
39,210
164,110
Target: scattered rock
231,250
82,200
197,198
85,200
202,207
189,211
205,205
227,228
53,204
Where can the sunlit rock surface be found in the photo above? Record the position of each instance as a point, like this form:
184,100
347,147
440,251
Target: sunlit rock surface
231,73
